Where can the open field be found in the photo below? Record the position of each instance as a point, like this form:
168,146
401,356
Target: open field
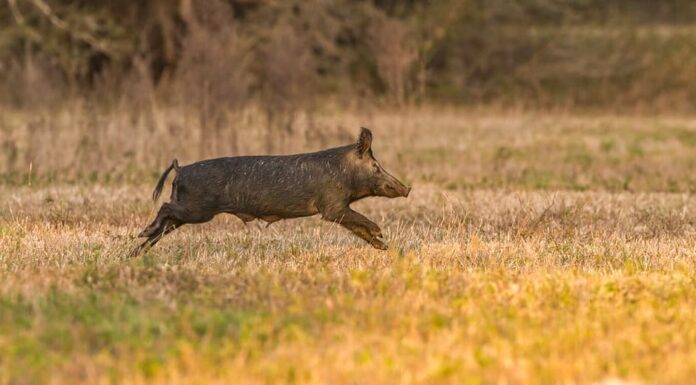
450,148
534,249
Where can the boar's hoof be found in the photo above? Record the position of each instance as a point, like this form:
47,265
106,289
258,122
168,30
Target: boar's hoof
377,244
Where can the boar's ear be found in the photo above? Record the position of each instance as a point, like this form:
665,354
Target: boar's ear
365,141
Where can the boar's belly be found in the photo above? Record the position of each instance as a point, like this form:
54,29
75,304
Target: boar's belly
267,205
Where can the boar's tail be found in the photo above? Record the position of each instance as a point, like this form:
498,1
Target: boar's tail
160,182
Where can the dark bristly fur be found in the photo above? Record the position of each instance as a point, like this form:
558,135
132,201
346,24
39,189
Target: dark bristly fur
272,188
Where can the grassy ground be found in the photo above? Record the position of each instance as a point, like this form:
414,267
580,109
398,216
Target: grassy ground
534,249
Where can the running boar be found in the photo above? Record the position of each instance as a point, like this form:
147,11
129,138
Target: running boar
272,188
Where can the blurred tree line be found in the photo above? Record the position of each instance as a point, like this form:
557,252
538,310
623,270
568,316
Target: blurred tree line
211,53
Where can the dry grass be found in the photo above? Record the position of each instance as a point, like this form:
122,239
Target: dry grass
447,147
489,278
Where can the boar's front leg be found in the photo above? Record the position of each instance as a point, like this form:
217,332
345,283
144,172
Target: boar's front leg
358,224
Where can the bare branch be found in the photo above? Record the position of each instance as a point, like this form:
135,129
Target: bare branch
62,25
15,12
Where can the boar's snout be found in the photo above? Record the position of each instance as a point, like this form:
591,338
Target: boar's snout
404,191
394,189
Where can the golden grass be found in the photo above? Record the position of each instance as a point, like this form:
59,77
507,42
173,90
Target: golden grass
478,287
505,282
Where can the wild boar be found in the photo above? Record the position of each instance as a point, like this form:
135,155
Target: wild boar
272,188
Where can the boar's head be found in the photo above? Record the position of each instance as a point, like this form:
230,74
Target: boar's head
369,178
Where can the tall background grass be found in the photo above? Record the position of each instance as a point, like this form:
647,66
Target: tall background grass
115,89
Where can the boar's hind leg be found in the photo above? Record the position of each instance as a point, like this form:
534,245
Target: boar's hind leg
169,217
168,211
359,225
165,227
